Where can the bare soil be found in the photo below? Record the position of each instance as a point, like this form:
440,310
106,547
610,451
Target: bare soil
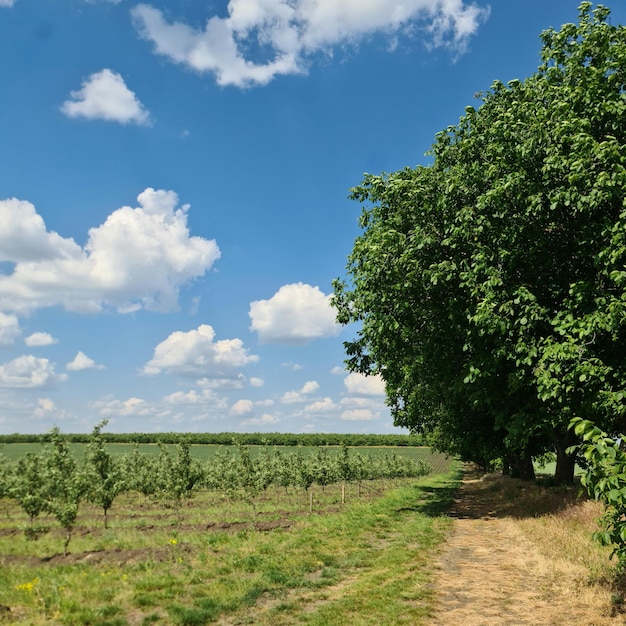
493,571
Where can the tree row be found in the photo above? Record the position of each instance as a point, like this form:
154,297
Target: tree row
55,483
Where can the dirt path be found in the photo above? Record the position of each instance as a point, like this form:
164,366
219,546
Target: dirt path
491,573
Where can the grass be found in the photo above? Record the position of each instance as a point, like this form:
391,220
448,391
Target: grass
370,561
367,562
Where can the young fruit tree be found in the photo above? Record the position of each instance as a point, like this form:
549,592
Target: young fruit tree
28,486
489,285
105,479
66,483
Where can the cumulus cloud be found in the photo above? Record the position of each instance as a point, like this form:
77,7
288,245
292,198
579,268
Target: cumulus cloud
9,328
221,383
176,408
45,407
256,382
364,385
321,406
296,314
355,415
241,407
124,408
362,402
82,362
138,258
205,397
105,96
367,406
38,340
29,372
287,33
265,420
291,397
24,238
196,353
292,366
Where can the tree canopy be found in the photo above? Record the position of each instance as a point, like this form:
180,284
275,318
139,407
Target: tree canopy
489,284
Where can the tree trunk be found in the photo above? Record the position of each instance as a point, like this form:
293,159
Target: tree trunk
565,463
522,466
68,536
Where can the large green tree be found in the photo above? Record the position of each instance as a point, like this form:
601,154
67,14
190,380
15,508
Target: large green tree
489,284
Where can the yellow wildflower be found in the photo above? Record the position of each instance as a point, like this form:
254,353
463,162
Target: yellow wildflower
29,586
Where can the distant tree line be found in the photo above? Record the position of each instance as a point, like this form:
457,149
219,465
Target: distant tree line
229,438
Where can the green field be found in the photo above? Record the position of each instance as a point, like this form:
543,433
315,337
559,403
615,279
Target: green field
203,453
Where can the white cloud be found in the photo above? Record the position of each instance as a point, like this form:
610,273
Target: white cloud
292,366
205,397
179,411
265,420
221,383
295,314
29,372
364,385
214,49
105,96
37,340
310,387
360,402
195,353
138,258
6,3
241,407
256,382
45,407
82,362
354,415
9,328
321,406
291,397
124,408
338,371
287,33
24,238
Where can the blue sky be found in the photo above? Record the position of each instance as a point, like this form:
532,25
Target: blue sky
173,196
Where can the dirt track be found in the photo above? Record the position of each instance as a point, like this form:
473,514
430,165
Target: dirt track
491,573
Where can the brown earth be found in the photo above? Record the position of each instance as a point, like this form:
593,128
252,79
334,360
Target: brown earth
494,570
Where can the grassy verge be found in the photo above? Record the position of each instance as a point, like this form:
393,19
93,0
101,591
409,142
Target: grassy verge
364,563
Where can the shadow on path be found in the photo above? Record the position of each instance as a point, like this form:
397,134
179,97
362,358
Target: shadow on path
472,494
